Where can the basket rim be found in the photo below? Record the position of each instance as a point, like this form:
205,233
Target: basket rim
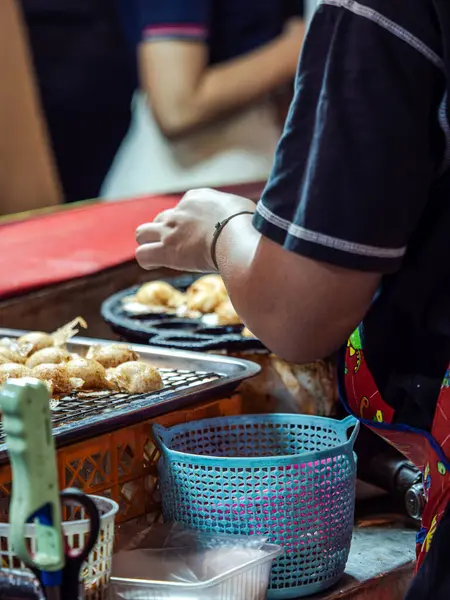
72,526
240,461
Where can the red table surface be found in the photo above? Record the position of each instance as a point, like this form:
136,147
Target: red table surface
73,243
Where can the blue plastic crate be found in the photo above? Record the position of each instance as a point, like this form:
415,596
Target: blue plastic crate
288,477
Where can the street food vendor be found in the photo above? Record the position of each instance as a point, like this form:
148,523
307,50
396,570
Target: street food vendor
211,77
352,235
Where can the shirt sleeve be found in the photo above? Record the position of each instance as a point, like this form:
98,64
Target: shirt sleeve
362,142
174,19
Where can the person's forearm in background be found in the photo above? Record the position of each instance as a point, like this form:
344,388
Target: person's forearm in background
301,309
186,94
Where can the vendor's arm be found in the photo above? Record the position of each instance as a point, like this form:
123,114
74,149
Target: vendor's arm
183,90
349,185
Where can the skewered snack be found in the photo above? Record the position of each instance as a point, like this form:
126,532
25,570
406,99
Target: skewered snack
135,378
35,340
13,371
205,294
91,372
112,355
226,315
57,378
12,356
49,356
159,293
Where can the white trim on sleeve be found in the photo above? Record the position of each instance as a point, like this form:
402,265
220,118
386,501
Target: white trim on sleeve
327,240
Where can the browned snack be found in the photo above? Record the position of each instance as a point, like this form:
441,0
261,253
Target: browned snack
57,378
112,355
49,356
91,372
13,371
11,355
205,294
34,341
226,315
135,378
159,293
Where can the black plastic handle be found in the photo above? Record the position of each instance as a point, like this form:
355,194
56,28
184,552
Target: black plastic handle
75,558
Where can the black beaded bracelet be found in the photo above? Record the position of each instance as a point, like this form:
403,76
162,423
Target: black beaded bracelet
218,230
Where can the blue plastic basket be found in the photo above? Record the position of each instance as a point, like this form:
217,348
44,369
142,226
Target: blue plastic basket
289,477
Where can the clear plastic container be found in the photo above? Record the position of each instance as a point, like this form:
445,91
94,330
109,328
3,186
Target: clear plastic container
216,574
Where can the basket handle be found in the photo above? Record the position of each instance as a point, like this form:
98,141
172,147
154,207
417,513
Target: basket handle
159,433
347,424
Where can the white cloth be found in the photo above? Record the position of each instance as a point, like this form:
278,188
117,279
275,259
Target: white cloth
238,149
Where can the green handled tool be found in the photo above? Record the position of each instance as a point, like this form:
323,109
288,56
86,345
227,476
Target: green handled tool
35,494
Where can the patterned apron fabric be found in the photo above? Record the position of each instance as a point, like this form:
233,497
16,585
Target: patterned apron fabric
430,452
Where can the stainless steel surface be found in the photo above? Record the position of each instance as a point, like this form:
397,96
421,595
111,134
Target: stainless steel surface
202,376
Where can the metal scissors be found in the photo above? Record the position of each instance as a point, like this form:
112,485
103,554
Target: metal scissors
35,496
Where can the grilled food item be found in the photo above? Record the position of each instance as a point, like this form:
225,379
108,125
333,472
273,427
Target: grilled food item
91,372
34,341
13,371
226,315
11,355
159,293
135,378
112,355
49,356
205,294
57,378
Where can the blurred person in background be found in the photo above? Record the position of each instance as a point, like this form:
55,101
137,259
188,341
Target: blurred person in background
86,77
211,75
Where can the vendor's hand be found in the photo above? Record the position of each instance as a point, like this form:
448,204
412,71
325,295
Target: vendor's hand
181,238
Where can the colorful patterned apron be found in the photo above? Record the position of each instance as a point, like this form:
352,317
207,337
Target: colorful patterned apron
430,452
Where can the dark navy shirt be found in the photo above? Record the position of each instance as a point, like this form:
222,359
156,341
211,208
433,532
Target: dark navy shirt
230,27
362,180
86,77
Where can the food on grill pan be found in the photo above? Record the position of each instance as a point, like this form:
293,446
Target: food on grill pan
105,368
57,378
36,340
159,293
13,371
48,356
226,315
112,355
206,294
135,378
10,355
206,299
91,372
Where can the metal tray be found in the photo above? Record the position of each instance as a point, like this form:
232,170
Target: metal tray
169,331
188,377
